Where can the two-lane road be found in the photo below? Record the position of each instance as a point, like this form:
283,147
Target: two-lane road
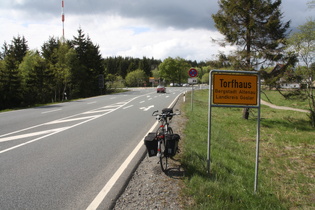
69,155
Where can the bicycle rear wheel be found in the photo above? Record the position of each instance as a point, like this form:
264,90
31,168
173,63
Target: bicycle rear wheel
163,157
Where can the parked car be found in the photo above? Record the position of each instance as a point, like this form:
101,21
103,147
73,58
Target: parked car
160,89
175,85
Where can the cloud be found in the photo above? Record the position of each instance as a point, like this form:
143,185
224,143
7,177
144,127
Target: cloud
163,13
134,28
123,36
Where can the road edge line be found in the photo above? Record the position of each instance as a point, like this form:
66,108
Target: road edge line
106,189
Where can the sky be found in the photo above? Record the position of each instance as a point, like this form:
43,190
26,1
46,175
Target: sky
133,28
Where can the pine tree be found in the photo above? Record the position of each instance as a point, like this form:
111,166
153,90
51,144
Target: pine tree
85,76
10,75
254,26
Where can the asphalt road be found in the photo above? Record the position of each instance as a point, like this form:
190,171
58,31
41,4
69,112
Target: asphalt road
73,155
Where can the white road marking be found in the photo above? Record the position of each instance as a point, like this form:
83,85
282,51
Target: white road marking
141,102
71,119
66,119
11,138
146,108
55,110
31,141
50,134
93,102
97,111
128,107
102,194
108,186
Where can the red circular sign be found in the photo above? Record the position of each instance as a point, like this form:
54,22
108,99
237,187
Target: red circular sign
193,72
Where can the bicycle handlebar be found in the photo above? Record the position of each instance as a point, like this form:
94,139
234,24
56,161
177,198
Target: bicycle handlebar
155,113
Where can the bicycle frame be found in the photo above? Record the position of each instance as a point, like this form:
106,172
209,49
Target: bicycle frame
163,129
161,135
163,143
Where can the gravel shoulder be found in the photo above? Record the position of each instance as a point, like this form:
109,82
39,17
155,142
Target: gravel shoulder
149,187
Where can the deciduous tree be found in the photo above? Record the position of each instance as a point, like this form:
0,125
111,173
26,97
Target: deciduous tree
136,78
303,44
174,70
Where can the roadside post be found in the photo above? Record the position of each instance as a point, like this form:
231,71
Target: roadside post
152,80
239,89
192,73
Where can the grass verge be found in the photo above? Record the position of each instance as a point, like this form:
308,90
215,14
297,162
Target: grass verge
290,98
286,171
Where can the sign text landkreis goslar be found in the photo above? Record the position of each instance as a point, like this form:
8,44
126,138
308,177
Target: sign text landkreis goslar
235,89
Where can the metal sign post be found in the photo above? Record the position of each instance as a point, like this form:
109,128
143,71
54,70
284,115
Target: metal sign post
240,89
192,73
152,80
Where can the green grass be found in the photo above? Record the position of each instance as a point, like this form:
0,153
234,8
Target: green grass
286,171
290,98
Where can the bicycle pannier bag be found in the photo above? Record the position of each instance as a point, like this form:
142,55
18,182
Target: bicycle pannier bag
151,144
171,144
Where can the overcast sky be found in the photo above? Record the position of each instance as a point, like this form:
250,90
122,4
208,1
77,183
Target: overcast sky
135,28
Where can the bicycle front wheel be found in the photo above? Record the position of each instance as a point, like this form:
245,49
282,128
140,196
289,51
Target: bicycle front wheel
169,130
163,157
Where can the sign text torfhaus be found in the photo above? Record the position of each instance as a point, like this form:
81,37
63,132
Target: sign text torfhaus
235,89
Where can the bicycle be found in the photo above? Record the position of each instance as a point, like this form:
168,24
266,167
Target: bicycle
167,141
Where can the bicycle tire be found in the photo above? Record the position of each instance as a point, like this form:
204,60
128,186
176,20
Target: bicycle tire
163,157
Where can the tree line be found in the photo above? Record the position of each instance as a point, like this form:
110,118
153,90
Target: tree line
69,69
75,68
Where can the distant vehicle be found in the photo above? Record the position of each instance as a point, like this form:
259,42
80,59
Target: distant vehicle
160,89
175,85
186,85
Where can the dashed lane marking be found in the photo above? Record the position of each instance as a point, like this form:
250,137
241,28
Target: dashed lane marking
55,110
128,107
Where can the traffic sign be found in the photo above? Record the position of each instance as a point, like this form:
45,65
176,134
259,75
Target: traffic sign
192,81
235,89
192,72
239,89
